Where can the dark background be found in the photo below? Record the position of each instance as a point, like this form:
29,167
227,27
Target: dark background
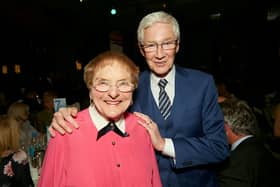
46,37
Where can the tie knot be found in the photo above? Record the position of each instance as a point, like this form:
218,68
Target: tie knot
162,83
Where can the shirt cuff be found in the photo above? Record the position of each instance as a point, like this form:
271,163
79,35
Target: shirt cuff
169,149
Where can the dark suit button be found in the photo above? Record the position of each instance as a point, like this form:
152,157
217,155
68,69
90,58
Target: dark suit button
118,165
113,143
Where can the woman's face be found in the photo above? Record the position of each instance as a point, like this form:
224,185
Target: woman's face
113,103
22,119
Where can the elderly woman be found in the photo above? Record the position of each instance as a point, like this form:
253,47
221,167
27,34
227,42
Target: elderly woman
110,148
14,166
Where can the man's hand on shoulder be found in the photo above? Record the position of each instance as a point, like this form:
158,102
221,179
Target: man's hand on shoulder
59,121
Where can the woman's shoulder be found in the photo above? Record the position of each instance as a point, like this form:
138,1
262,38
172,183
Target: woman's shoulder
131,121
81,115
129,116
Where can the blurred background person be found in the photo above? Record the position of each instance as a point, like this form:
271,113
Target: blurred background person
250,163
276,120
20,112
224,92
14,166
274,141
3,102
30,96
44,116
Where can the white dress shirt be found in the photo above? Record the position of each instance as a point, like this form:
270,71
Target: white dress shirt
235,144
168,149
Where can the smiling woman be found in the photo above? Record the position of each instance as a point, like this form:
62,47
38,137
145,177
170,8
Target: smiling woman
110,143
111,101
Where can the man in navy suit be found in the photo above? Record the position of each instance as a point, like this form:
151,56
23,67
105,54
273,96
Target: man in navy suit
190,136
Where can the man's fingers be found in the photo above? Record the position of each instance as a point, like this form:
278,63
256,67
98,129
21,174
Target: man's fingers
62,119
51,131
73,111
63,126
68,115
141,115
54,127
59,124
143,123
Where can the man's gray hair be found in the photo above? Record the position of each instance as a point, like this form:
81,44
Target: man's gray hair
239,116
157,17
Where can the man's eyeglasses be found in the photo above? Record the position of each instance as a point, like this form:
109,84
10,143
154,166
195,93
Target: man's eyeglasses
105,86
166,45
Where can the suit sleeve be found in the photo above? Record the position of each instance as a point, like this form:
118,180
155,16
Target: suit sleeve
207,144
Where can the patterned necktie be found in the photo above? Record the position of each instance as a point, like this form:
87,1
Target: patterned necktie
164,101
111,127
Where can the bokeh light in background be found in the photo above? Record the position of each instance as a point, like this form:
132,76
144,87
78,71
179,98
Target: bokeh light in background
113,11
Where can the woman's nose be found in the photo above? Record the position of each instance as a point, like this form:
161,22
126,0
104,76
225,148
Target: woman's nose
114,91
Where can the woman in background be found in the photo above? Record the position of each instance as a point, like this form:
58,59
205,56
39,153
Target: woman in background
20,112
14,166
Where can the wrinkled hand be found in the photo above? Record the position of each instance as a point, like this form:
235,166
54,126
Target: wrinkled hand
152,128
59,120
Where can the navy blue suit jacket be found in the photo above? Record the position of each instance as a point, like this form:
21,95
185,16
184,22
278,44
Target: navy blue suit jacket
195,126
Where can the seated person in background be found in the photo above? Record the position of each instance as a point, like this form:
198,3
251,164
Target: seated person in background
223,91
274,141
14,166
3,102
31,98
250,164
44,116
110,148
276,117
20,112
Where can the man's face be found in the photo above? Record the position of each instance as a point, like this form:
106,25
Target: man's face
160,61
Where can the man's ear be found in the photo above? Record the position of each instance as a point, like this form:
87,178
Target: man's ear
178,47
227,129
141,50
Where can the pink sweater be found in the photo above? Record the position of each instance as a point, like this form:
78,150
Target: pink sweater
78,160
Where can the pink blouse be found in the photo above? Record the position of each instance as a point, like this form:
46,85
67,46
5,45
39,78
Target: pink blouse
77,159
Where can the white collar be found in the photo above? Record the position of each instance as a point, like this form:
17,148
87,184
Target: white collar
236,143
100,122
170,77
